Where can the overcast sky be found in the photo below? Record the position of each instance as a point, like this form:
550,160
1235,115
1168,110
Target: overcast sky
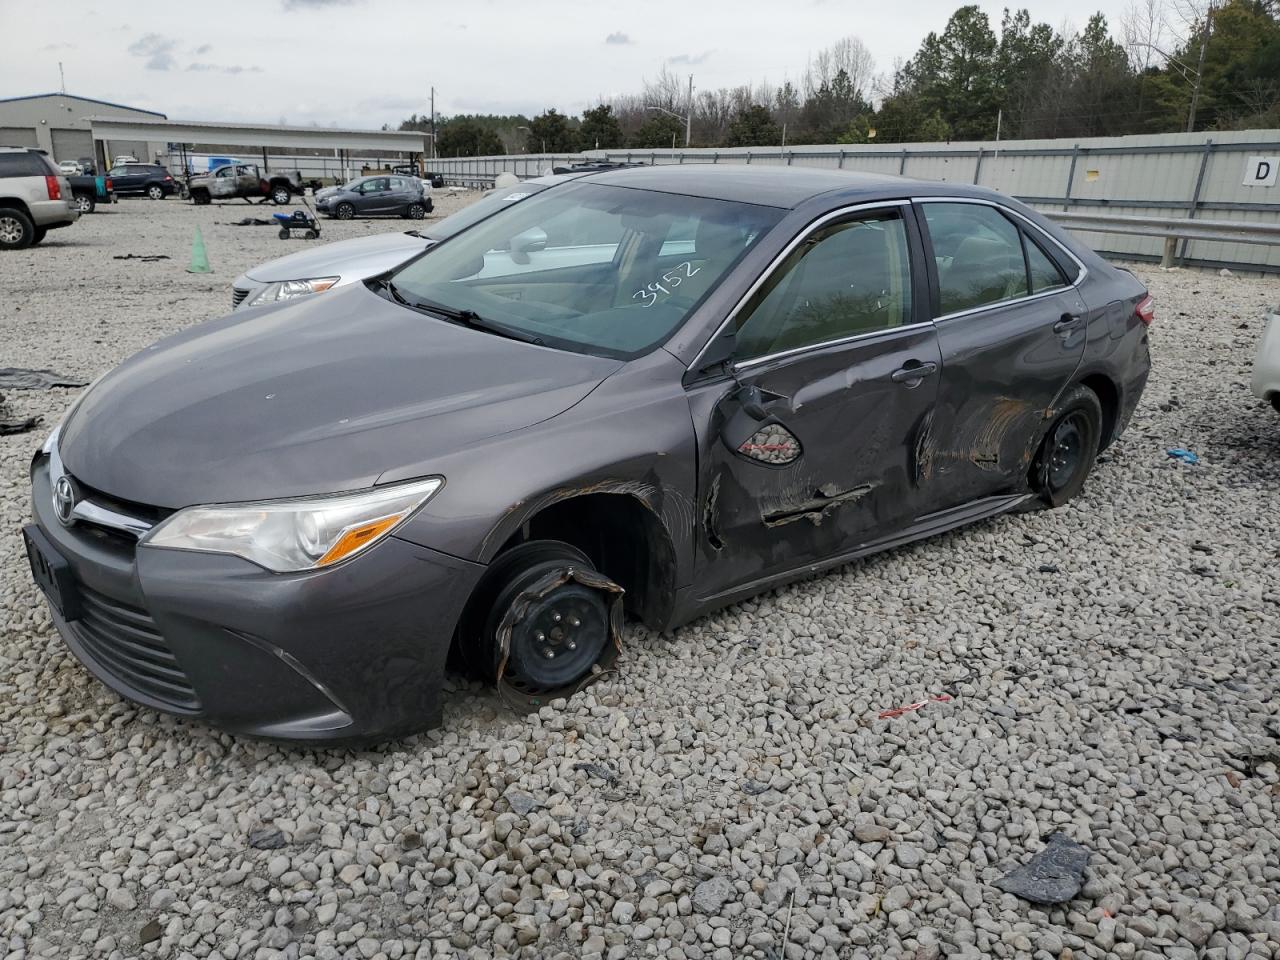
362,63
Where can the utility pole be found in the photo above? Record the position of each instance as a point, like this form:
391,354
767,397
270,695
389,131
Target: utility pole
1195,89
63,77
999,121
433,123
688,120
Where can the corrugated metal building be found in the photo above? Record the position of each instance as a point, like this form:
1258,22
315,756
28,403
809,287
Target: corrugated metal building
58,123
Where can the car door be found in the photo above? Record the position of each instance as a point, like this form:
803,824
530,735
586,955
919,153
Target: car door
1012,332
808,448
127,179
248,180
374,196
401,193
223,181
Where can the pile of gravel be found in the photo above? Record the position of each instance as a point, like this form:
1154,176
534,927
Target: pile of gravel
1106,671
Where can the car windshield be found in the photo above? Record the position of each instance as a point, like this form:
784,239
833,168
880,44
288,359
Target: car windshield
605,270
486,206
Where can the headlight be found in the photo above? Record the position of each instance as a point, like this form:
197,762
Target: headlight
291,289
291,535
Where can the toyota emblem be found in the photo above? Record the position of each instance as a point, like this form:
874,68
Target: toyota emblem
64,500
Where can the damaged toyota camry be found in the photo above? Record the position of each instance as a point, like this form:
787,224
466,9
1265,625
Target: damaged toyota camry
649,393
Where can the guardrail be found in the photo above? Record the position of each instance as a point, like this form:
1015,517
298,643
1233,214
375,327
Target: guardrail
1171,229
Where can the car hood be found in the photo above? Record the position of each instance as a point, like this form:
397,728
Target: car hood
318,396
349,259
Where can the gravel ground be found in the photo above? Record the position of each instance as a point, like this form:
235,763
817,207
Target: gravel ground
1111,668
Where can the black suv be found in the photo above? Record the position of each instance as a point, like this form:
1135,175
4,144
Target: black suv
142,179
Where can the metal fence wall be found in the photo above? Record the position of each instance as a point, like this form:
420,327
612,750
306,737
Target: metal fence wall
1177,174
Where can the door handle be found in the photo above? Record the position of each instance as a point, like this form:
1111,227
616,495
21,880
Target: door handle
1067,321
914,371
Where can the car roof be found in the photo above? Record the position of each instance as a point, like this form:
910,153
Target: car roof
775,185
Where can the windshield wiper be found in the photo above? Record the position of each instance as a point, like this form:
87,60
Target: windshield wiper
466,318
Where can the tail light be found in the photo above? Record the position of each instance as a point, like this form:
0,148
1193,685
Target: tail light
55,190
110,185
168,179
1145,310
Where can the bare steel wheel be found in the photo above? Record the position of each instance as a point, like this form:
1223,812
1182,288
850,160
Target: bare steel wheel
280,194
541,619
1069,447
155,192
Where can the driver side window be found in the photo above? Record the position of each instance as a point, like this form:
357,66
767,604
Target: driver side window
844,279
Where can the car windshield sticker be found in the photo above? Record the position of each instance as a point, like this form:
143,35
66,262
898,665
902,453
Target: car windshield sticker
648,295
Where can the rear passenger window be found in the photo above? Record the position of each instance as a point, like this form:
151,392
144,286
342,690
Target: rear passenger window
978,253
844,280
1044,273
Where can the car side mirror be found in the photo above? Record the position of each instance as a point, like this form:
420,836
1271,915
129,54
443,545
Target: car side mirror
531,241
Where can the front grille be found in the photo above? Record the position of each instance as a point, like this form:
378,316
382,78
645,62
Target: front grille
123,641
237,296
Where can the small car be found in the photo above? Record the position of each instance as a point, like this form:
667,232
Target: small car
70,168
377,196
288,521
337,264
1266,364
141,179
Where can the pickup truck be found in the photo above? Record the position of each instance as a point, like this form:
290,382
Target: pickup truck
89,191
246,181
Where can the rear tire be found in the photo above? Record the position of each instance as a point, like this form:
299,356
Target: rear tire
312,234
284,234
155,191
345,211
416,211
280,195
1070,445
1275,402
85,202
16,229
39,235
199,197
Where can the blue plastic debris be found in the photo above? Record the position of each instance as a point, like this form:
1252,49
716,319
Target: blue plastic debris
1186,456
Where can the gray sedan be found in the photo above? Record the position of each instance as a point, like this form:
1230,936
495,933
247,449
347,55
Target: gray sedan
650,393
377,196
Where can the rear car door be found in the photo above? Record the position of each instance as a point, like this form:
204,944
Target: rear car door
1012,330
401,193
807,450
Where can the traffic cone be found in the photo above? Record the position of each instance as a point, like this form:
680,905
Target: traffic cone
199,258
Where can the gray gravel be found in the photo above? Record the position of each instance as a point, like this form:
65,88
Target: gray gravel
1126,700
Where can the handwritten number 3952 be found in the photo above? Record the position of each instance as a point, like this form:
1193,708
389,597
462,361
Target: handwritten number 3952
670,280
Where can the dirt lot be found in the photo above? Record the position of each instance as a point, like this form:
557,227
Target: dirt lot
1112,668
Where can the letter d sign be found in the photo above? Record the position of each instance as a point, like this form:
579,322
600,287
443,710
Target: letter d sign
1261,171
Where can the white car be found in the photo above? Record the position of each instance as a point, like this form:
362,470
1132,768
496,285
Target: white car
1266,365
317,269
70,168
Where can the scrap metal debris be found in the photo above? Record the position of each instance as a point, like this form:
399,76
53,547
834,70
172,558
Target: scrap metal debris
1054,875
899,711
144,257
20,378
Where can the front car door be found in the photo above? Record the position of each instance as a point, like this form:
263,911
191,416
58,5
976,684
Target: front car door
1012,330
808,448
223,181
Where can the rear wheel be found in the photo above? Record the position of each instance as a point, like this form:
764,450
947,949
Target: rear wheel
155,191
284,233
1067,452
199,197
85,202
345,211
416,211
312,234
554,632
38,235
1275,402
280,194
16,229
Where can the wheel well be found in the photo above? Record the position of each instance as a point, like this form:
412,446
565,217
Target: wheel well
1109,398
14,203
625,540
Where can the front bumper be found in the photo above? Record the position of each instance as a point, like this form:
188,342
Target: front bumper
1265,381
353,653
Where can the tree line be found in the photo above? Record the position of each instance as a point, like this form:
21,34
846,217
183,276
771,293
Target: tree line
1173,65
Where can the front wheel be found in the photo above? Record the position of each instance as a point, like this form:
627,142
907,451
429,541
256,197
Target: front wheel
155,192
199,197
541,620
1066,454
280,195
345,211
284,233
